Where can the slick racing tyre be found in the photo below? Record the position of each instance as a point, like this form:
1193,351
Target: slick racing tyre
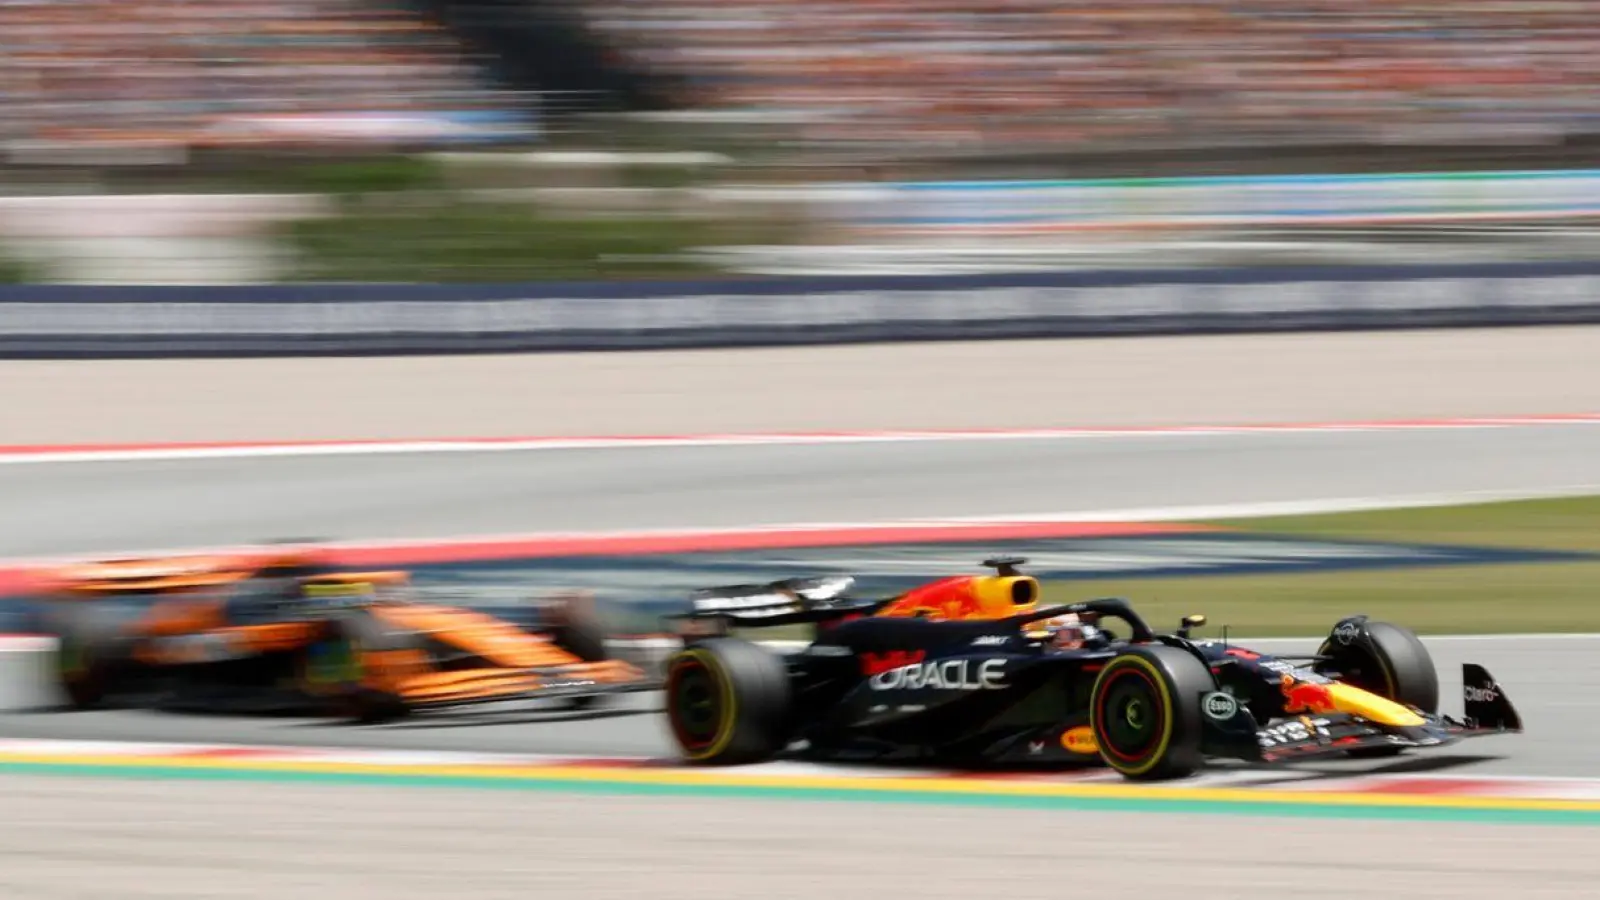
1144,711
581,632
334,669
93,656
727,702
1386,659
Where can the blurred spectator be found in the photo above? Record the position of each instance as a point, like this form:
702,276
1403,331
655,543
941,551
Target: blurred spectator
1009,72
219,71
959,73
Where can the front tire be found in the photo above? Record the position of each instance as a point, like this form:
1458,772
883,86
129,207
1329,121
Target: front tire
581,632
1387,660
728,702
93,655
1144,711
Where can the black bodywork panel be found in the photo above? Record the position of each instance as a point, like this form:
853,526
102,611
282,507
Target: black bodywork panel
984,692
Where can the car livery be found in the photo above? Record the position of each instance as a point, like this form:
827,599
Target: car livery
283,632
979,681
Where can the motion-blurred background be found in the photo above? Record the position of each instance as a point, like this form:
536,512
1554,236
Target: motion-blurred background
238,141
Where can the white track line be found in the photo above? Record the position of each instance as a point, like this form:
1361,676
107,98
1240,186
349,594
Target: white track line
91,453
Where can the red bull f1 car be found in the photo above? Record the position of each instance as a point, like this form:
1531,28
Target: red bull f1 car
972,671
284,633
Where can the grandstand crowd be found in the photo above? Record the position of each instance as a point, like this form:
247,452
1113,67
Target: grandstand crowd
218,71
944,72
1133,71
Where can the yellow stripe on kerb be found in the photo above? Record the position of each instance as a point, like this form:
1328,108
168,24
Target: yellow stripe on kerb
861,785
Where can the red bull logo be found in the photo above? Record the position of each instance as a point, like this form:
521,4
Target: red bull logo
879,663
947,598
1306,697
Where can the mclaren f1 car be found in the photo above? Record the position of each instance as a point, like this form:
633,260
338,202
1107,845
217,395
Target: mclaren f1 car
971,670
284,632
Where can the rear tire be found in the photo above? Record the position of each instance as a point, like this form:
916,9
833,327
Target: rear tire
93,655
1144,711
727,702
1387,660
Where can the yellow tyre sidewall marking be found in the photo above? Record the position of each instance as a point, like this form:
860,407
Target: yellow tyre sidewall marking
1160,681
730,704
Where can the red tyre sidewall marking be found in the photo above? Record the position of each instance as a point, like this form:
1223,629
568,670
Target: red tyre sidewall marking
1102,718
678,670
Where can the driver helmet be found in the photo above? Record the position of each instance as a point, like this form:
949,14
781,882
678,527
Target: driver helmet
1071,631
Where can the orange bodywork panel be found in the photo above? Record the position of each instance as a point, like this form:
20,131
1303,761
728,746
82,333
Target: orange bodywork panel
182,615
156,575
405,675
238,639
493,639
968,597
188,623
172,573
177,573
384,577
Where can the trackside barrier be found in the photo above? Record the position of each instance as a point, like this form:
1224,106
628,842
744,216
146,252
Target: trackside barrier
71,321
1032,207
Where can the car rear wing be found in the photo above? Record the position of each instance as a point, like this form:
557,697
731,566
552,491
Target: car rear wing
791,601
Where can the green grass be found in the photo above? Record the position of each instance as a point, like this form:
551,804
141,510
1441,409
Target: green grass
14,271
1450,600
465,241
1568,523
1543,597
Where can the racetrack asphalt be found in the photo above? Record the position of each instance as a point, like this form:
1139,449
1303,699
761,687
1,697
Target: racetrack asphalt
69,838
102,506
54,508
1091,382
1552,680
75,839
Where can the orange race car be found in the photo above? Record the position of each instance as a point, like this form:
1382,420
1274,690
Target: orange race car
284,632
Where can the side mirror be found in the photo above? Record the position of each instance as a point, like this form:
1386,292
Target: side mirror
1190,623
